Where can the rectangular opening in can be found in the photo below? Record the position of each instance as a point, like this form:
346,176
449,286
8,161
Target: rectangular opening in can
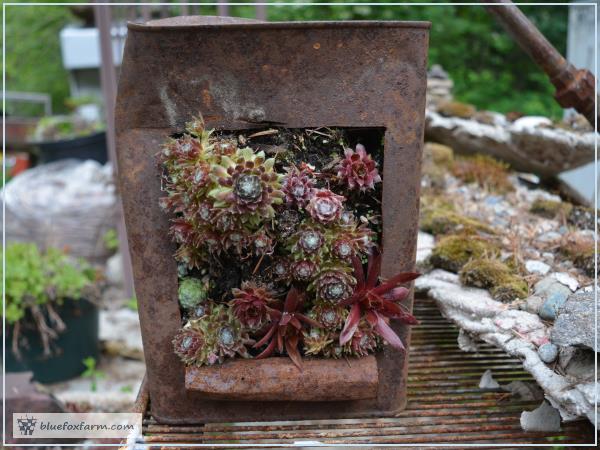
260,257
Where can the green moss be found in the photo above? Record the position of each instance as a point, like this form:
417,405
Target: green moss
440,220
550,208
487,172
438,154
454,251
192,292
488,273
437,162
456,109
580,250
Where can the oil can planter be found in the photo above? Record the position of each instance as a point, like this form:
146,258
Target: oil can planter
367,79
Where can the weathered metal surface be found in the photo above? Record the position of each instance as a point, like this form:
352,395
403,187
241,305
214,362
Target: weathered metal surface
575,88
446,410
242,76
251,379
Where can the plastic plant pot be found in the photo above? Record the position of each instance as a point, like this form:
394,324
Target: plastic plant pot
77,342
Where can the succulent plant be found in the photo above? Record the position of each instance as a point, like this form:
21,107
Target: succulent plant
189,345
212,338
252,305
316,341
231,342
247,185
192,292
363,342
281,269
331,316
304,270
377,303
263,243
358,170
235,241
286,330
310,240
298,186
333,285
343,249
325,206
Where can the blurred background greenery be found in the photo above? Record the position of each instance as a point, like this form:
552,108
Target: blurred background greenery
487,67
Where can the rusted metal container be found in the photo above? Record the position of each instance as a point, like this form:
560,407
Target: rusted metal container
251,75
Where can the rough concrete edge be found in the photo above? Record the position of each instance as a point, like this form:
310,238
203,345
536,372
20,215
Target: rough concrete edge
570,399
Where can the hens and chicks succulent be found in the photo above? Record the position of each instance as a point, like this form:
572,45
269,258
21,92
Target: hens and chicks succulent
307,293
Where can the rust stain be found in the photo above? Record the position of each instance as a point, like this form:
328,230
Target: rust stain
207,99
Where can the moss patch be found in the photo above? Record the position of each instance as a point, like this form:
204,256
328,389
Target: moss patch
580,250
438,154
484,170
489,273
456,109
454,251
550,208
441,220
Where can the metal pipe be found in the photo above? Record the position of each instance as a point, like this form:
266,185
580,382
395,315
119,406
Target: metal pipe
575,88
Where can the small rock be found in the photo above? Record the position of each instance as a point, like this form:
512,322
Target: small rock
425,244
549,236
466,343
120,333
533,304
548,286
567,280
526,390
582,218
544,418
538,267
114,270
437,71
487,381
575,322
548,352
549,309
493,199
581,364
548,256
529,178
529,122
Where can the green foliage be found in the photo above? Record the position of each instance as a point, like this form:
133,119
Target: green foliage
488,68
92,372
132,304
111,240
55,128
33,58
34,278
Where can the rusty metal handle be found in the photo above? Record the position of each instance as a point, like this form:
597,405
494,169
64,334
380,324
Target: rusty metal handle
575,88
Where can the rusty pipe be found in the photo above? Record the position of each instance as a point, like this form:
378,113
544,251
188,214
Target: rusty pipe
575,88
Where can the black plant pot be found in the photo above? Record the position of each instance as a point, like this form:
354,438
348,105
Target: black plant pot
77,342
87,147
